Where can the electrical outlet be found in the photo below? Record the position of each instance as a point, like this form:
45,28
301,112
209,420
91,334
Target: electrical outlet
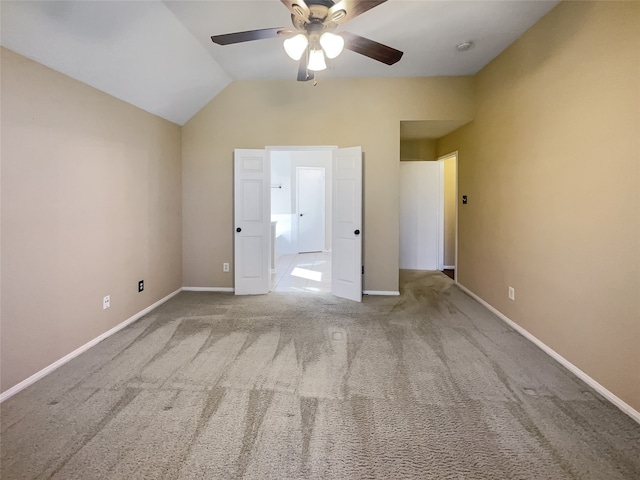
512,293
140,285
225,267
106,302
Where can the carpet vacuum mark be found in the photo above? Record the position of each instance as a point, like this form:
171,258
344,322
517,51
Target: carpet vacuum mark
427,385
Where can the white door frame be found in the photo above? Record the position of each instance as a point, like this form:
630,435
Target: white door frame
452,155
441,203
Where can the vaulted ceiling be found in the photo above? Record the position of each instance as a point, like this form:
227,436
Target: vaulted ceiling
158,55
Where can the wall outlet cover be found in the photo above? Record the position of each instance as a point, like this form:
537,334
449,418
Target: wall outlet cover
140,285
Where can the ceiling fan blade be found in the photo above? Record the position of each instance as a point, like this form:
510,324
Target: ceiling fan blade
303,73
239,37
298,8
352,9
371,49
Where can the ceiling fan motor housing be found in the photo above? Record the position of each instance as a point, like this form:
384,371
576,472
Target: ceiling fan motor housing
318,14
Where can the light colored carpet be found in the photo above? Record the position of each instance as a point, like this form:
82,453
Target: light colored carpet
287,386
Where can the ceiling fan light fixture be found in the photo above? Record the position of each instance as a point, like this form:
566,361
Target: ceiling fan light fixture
316,60
295,46
332,44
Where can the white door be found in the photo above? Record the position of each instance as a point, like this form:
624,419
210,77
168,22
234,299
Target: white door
310,194
346,244
252,222
420,219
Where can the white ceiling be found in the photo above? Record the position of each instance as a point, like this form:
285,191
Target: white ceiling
158,55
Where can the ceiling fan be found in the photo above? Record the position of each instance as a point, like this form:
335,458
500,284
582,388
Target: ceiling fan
313,39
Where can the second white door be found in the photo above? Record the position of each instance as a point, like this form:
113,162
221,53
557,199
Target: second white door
346,244
310,183
420,221
252,225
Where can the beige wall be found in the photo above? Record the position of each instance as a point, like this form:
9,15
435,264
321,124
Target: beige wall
253,114
424,149
551,166
91,203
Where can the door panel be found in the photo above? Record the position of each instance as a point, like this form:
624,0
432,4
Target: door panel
252,261
419,215
346,275
252,222
348,249
310,194
252,192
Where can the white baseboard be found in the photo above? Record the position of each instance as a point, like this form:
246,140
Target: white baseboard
58,363
207,289
449,267
621,404
381,292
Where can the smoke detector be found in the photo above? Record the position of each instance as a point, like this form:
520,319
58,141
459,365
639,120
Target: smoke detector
464,46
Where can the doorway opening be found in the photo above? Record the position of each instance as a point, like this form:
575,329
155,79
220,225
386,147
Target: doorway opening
301,218
428,212
256,231
449,212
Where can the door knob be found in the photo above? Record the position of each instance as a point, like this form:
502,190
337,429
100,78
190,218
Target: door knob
357,232
238,229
